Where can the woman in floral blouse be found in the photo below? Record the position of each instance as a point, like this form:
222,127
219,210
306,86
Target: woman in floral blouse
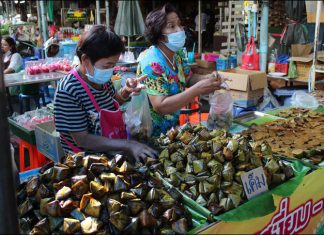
168,72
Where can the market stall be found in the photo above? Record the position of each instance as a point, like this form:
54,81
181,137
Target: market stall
233,171
208,171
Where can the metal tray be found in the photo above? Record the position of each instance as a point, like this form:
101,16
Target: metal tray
255,117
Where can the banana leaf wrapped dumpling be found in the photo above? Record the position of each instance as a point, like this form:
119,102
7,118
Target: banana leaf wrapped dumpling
71,226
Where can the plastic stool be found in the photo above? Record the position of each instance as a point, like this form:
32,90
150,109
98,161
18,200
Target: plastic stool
35,158
188,111
26,98
41,159
26,150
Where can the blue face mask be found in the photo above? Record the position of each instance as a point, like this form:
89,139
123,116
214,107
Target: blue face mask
100,76
176,40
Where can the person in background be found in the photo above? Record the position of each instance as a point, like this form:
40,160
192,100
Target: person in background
12,60
87,90
204,22
52,29
168,70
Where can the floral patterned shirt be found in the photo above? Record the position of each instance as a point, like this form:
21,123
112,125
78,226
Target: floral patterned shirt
163,81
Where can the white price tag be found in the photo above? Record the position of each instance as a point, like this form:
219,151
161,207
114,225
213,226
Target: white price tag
254,182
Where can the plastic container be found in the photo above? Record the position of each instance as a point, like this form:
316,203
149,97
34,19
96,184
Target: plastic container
47,142
24,176
21,132
232,61
191,57
283,68
222,64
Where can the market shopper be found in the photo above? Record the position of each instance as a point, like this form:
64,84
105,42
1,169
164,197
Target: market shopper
88,90
12,60
168,71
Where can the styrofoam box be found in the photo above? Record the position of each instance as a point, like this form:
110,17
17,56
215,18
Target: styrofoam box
47,142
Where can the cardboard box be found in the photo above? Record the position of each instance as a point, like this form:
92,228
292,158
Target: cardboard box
206,64
304,60
246,85
247,99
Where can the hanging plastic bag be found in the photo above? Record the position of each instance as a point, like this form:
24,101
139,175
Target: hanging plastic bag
221,110
138,117
269,101
300,99
292,71
250,58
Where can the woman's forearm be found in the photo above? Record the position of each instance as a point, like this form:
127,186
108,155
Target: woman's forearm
9,70
194,78
96,143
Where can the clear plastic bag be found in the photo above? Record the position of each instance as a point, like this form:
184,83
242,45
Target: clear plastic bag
137,117
301,99
221,110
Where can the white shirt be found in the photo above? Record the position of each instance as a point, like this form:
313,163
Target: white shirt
204,21
16,61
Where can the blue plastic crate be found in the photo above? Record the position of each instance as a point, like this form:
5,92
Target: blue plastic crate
24,176
232,61
221,64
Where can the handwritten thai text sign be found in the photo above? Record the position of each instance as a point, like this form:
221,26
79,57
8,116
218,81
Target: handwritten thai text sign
254,182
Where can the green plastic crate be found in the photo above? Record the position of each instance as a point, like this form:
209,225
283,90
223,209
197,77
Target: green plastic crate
22,132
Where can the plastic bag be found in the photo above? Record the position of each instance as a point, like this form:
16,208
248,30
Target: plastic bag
137,117
251,58
301,99
292,72
269,101
221,110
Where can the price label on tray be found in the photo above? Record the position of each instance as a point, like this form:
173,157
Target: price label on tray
254,182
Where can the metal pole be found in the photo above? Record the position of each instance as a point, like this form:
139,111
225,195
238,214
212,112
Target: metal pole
311,80
107,14
44,20
8,205
264,36
199,27
39,18
98,11
229,28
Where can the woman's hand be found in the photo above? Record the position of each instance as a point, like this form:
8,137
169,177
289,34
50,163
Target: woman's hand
208,85
134,86
140,152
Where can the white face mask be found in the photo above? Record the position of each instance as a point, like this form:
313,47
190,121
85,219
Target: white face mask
176,40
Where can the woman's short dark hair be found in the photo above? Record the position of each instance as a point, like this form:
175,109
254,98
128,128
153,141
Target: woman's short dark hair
99,43
155,21
12,43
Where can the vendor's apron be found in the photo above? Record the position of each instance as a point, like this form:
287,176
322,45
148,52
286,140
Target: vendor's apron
111,122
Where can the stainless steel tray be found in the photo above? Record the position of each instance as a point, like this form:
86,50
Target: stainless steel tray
247,117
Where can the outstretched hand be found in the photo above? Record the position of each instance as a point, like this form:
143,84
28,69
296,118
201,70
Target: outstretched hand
134,86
